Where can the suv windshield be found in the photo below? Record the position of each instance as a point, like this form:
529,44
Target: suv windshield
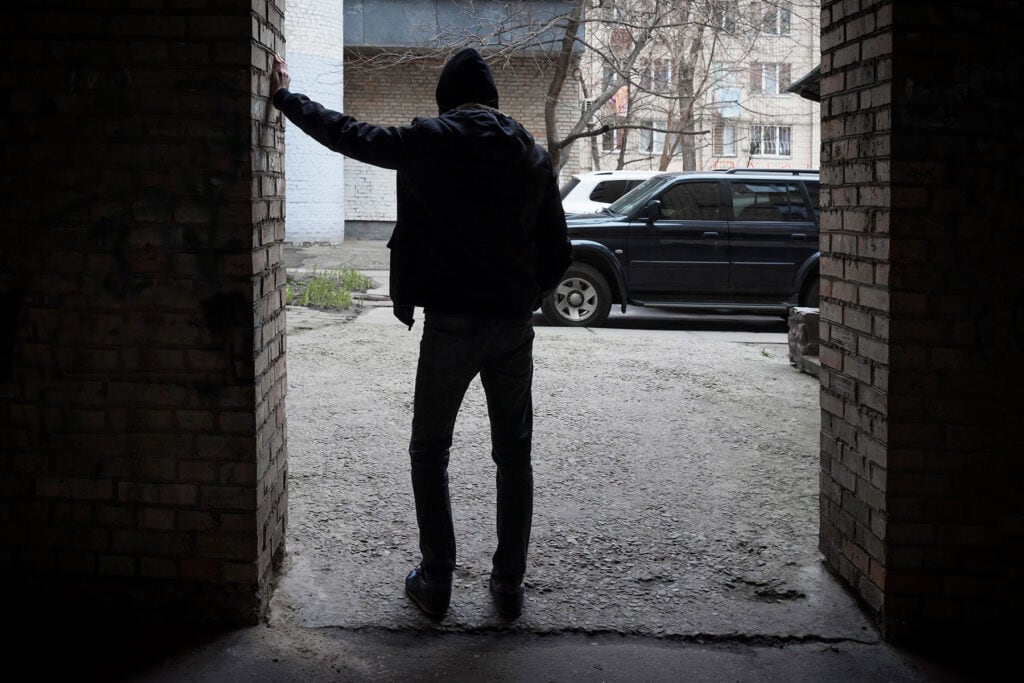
635,198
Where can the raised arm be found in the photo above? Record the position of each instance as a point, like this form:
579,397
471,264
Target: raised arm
386,146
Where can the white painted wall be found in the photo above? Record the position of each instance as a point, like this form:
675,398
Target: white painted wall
370,193
315,194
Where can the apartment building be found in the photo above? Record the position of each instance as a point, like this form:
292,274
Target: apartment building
699,85
394,53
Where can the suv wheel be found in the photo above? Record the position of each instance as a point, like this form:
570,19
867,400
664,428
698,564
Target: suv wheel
581,299
809,298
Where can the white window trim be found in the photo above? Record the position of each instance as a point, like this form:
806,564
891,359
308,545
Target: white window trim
728,150
778,10
654,139
757,132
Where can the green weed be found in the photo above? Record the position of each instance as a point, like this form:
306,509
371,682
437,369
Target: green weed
330,289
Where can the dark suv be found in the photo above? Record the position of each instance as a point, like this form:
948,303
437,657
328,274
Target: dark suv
743,240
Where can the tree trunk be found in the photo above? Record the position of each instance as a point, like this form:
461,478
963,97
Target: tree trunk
563,62
685,96
620,163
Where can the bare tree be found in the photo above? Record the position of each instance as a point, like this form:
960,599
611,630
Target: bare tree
642,66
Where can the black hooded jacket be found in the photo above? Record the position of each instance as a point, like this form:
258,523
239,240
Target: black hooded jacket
480,226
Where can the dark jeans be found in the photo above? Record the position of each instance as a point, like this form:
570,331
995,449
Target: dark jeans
453,350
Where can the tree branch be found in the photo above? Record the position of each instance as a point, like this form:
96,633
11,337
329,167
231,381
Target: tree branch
607,128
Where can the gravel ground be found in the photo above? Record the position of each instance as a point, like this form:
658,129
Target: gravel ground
676,486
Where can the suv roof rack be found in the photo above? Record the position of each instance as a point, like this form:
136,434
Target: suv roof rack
788,171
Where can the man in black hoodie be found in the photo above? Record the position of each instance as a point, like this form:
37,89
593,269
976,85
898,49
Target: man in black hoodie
480,239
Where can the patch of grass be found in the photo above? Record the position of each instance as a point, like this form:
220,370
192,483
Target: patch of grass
329,289
352,279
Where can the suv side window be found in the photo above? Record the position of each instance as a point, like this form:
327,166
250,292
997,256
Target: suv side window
691,202
759,200
608,191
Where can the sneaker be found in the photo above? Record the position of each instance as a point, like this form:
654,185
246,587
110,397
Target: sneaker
432,597
508,597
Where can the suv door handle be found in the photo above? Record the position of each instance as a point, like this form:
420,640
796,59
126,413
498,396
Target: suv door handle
798,236
710,234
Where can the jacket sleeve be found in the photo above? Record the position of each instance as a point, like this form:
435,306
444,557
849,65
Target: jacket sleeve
554,253
385,146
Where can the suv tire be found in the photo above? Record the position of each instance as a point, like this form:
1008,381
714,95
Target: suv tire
581,299
809,297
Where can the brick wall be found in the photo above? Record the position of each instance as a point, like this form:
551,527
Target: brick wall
922,310
316,186
855,315
142,455
397,95
267,229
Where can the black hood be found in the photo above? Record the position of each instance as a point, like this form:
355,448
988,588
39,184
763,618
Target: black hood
466,79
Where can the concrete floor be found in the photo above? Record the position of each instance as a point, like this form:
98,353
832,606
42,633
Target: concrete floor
94,653
832,640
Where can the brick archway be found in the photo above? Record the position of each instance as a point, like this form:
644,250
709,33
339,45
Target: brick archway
142,367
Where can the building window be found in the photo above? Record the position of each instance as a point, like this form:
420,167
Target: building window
656,75
608,141
769,78
661,75
610,77
611,141
777,18
725,93
771,141
723,142
724,15
651,141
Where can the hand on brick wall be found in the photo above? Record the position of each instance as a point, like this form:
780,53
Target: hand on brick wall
279,77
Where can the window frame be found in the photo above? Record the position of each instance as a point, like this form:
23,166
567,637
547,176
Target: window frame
650,141
776,18
782,198
719,147
724,15
712,186
601,188
759,139
779,74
